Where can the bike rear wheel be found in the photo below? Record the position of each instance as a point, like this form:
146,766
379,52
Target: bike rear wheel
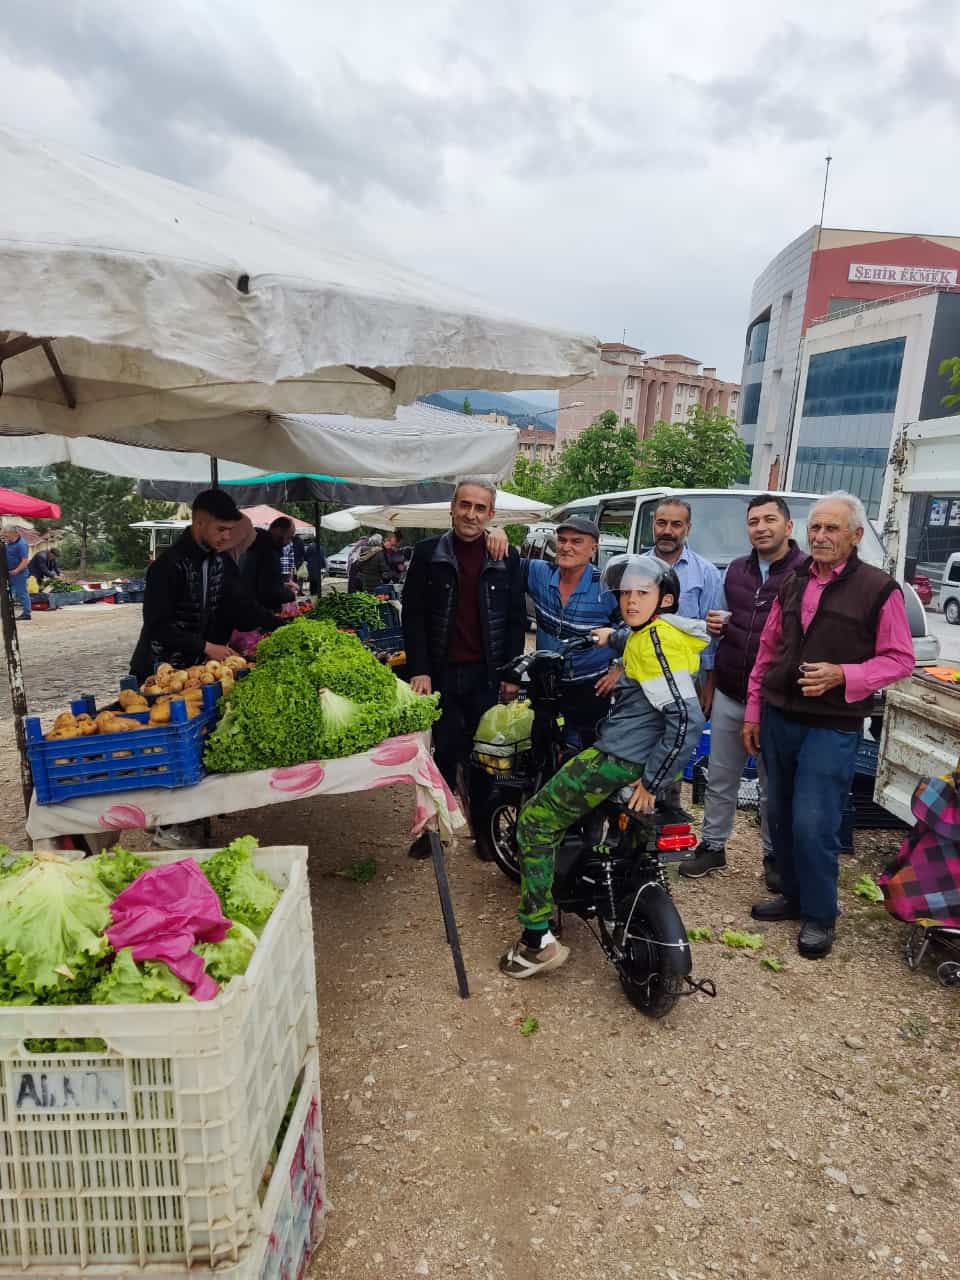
501,832
649,960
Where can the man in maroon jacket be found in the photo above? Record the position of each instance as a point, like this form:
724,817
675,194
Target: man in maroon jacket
750,587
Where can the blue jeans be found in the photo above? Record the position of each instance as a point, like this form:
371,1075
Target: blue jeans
18,589
809,772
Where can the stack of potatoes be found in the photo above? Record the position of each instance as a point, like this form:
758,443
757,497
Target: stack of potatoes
67,725
187,686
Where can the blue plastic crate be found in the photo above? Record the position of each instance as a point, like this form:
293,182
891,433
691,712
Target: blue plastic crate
703,752
868,755
164,755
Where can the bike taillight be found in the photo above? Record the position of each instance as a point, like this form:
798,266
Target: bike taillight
675,836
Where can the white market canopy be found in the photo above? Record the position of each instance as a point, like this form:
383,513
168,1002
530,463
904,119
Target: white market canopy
510,509
142,312
424,442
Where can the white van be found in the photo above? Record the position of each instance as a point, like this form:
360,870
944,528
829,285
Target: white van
949,599
719,533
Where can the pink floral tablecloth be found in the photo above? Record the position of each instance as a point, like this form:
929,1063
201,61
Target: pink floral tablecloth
398,761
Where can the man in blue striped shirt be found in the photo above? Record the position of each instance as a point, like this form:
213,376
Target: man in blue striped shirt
570,603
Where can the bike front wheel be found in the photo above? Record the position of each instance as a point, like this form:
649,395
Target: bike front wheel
652,955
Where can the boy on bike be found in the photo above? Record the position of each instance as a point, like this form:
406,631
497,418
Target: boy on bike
644,743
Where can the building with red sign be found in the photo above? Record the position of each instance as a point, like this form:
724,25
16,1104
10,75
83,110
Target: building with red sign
846,334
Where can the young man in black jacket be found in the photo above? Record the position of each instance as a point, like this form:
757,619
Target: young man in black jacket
463,618
194,598
262,569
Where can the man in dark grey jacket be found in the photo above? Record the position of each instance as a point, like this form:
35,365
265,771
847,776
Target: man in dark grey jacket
463,618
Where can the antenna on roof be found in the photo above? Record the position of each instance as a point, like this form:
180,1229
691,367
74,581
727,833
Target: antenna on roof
823,202
624,338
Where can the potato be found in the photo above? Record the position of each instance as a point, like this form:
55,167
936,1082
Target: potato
160,713
208,677
235,662
164,669
178,682
194,695
119,724
212,665
63,719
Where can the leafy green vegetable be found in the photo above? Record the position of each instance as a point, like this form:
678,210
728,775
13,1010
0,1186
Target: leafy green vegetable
86,1044
229,958
413,712
247,895
350,669
126,982
774,963
867,887
117,868
700,934
280,716
349,609
52,916
349,727
739,939
529,1026
362,872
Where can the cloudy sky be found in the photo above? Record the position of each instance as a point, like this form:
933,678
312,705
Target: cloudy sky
602,167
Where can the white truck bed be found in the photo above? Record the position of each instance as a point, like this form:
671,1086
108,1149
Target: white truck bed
921,739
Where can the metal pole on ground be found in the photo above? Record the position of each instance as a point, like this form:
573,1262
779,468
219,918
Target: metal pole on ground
18,694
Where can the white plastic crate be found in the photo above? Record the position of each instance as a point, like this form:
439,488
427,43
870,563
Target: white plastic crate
153,1152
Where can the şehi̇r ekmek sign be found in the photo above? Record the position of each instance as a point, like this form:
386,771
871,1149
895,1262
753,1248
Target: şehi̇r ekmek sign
874,273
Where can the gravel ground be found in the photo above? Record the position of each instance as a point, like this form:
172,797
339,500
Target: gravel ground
804,1123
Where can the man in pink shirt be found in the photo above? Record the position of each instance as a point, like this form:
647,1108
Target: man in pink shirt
837,633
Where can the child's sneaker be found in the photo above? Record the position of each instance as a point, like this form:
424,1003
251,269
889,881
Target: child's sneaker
522,961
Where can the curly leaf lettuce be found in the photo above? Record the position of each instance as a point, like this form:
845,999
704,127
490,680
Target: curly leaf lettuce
117,868
229,958
247,895
126,982
52,916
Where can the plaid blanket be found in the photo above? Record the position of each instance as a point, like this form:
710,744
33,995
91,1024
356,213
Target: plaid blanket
923,881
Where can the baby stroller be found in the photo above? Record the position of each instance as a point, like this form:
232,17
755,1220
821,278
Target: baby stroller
922,884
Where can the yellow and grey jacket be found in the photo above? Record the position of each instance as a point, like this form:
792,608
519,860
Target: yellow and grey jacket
655,720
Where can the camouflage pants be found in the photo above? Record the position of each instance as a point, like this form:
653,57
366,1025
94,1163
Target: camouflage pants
583,783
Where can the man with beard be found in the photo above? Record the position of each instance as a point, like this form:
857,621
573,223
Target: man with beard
701,589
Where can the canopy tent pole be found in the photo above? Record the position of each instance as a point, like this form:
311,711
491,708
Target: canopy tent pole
214,474
18,695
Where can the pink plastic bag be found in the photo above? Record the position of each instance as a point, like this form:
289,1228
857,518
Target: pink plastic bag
163,914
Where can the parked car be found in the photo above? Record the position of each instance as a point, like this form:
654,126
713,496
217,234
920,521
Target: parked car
719,532
921,585
337,563
949,600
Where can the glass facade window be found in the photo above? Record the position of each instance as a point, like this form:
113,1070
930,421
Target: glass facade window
751,402
854,380
824,469
757,342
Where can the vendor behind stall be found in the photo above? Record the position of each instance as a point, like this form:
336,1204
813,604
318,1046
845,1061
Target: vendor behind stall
194,596
262,568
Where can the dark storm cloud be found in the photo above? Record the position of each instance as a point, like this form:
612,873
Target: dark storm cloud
180,92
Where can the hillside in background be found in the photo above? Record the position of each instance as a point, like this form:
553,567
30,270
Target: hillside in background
520,412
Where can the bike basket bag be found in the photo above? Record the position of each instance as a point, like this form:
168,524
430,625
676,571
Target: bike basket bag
502,736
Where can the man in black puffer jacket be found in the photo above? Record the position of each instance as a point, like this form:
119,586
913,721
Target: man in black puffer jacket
194,599
463,618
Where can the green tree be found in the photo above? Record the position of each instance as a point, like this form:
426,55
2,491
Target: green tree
467,406
705,452
130,548
531,478
602,459
951,369
87,499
